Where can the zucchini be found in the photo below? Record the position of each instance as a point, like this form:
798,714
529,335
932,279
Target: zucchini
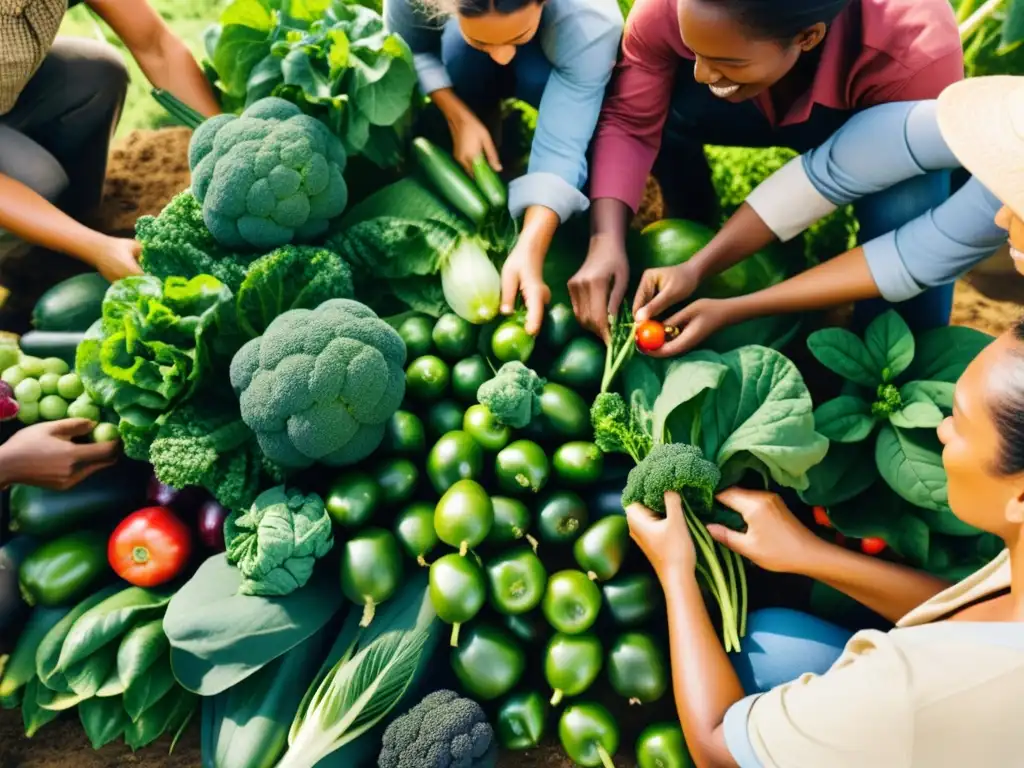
21,667
13,608
108,494
490,184
62,344
71,305
451,181
178,111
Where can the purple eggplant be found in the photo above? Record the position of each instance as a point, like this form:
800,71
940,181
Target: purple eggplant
211,525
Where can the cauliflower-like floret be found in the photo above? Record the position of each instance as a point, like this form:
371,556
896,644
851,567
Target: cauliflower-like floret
674,467
268,177
319,385
513,395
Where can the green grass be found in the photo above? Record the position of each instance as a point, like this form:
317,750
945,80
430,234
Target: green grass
188,18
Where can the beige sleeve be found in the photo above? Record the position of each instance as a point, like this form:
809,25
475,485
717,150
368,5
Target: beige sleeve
857,714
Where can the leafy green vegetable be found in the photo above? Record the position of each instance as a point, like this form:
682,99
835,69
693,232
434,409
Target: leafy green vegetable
617,428
269,177
330,403
220,637
151,348
366,675
276,543
334,60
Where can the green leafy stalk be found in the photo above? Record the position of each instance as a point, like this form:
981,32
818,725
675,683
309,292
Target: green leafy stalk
620,347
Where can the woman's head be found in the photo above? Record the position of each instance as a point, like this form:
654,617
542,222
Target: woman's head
982,121
744,47
496,27
983,440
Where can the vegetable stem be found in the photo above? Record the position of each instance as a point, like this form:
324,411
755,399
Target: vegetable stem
455,635
369,610
533,543
463,549
606,759
556,698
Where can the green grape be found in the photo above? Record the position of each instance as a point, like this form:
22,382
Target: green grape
53,408
28,391
70,386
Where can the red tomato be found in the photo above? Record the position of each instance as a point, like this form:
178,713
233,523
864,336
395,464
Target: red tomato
149,547
872,546
650,335
821,517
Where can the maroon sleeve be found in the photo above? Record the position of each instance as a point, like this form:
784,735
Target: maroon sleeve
629,131
926,83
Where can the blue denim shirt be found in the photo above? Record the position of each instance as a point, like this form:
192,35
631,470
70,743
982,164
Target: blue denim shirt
581,40
873,151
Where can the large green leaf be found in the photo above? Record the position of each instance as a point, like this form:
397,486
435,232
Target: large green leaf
678,406
170,714
847,470
244,41
846,419
890,344
48,653
219,637
103,720
844,353
910,461
881,513
33,716
943,354
147,690
383,80
140,649
763,411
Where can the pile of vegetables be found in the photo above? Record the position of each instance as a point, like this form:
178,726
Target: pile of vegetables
365,520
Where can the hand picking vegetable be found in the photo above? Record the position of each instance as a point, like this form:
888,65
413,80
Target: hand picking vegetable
150,547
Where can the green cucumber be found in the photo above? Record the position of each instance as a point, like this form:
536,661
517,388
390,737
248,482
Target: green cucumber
489,183
62,344
451,181
71,305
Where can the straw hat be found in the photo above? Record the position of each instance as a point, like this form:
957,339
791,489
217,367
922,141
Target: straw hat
982,121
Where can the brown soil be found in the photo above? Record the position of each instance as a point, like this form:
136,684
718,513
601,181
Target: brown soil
147,169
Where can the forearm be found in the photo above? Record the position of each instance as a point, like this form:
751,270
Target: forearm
609,220
743,235
171,67
841,280
451,106
30,217
888,589
703,679
539,227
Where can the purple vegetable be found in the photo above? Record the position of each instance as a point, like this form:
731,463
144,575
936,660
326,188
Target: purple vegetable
8,405
5,391
183,501
211,525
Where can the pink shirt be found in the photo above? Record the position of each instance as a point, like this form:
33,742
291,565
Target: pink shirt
876,51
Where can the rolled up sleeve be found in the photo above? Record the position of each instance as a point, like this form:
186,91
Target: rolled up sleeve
857,714
584,47
937,247
423,36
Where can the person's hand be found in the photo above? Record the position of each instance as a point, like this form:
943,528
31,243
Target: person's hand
470,139
119,258
775,540
693,324
598,288
44,455
523,274
666,542
663,288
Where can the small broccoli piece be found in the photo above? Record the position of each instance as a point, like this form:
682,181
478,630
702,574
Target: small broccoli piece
443,731
889,401
177,244
268,177
319,385
615,429
513,395
673,467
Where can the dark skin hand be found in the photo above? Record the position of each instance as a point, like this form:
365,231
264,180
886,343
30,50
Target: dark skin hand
45,456
776,541
598,288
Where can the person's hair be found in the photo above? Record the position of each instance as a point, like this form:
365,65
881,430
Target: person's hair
474,8
782,19
1008,410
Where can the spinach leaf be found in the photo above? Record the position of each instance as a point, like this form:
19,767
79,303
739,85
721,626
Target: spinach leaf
910,461
890,344
843,353
846,419
944,353
847,471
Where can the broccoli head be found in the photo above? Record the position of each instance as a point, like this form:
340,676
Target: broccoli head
443,731
673,467
276,542
615,429
513,395
889,401
268,177
177,244
319,385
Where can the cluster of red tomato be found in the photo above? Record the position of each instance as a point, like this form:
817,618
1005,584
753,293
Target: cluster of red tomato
869,546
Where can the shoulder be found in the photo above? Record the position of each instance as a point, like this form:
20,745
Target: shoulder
900,50
587,28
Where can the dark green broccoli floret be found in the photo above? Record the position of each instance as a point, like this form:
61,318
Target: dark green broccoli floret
513,395
443,731
889,401
615,429
674,467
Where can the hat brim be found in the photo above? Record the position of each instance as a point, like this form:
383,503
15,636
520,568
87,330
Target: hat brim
982,121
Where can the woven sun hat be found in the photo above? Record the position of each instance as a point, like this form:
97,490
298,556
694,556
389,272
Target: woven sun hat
982,122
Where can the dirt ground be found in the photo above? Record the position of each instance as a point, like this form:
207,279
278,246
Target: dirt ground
147,169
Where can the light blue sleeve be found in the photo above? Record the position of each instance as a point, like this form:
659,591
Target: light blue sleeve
582,49
423,36
937,247
737,737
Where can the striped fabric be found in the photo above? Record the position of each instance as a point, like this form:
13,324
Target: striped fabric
27,30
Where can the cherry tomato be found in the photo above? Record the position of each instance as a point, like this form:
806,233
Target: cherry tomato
821,517
149,547
872,546
650,335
